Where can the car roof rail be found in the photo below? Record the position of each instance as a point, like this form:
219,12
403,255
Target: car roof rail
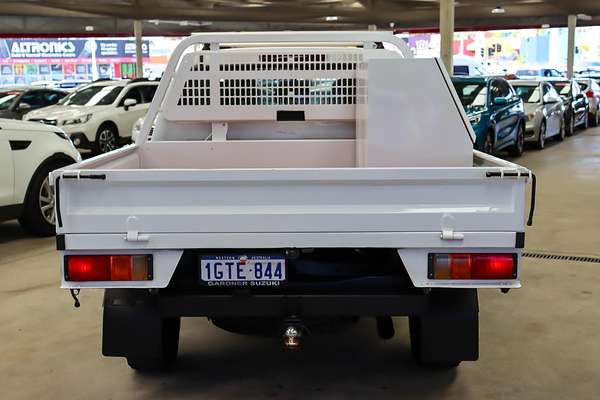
138,80
101,80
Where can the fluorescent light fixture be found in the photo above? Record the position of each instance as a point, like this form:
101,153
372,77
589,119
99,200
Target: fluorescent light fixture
331,18
545,26
584,17
498,10
89,28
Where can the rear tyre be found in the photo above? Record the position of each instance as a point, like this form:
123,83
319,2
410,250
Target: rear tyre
586,119
570,124
448,333
562,133
541,142
516,150
595,118
488,143
38,214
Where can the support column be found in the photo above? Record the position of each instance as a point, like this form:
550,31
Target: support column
139,55
446,32
572,24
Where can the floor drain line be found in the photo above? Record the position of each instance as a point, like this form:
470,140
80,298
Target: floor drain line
562,257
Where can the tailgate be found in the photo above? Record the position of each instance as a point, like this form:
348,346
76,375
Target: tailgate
345,207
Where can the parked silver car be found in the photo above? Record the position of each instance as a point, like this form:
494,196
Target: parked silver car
591,89
544,111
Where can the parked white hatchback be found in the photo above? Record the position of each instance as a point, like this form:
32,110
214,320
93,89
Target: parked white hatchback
100,116
28,153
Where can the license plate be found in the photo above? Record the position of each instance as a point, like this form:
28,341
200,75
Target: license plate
242,270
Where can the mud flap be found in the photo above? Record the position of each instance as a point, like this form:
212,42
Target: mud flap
448,332
131,326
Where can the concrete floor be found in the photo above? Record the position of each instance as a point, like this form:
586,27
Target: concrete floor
539,342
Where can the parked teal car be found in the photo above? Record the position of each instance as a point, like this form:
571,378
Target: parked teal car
495,112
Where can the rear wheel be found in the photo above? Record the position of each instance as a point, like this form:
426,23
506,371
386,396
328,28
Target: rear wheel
541,142
570,124
562,133
38,214
595,118
586,120
517,148
488,142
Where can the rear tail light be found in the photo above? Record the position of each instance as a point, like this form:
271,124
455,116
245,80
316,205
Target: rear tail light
92,268
475,266
589,93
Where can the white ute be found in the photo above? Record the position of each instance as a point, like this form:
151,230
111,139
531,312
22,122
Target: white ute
28,153
283,179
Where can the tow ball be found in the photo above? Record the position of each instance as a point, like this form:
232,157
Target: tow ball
293,330
291,337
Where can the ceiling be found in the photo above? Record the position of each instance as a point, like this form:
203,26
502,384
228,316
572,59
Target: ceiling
165,17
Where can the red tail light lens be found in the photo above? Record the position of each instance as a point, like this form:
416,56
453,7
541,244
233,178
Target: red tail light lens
94,268
475,266
88,268
589,93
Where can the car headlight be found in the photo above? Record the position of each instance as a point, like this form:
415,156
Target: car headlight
79,120
62,135
474,119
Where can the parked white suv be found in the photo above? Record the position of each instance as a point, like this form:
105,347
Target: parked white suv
100,116
28,153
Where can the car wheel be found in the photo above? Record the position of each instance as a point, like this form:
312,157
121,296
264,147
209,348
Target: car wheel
38,215
107,139
562,133
596,117
517,149
541,142
571,124
488,143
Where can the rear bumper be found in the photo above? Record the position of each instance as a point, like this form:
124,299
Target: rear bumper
281,305
445,327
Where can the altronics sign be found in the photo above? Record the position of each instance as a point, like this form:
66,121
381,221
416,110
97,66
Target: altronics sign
26,49
76,50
